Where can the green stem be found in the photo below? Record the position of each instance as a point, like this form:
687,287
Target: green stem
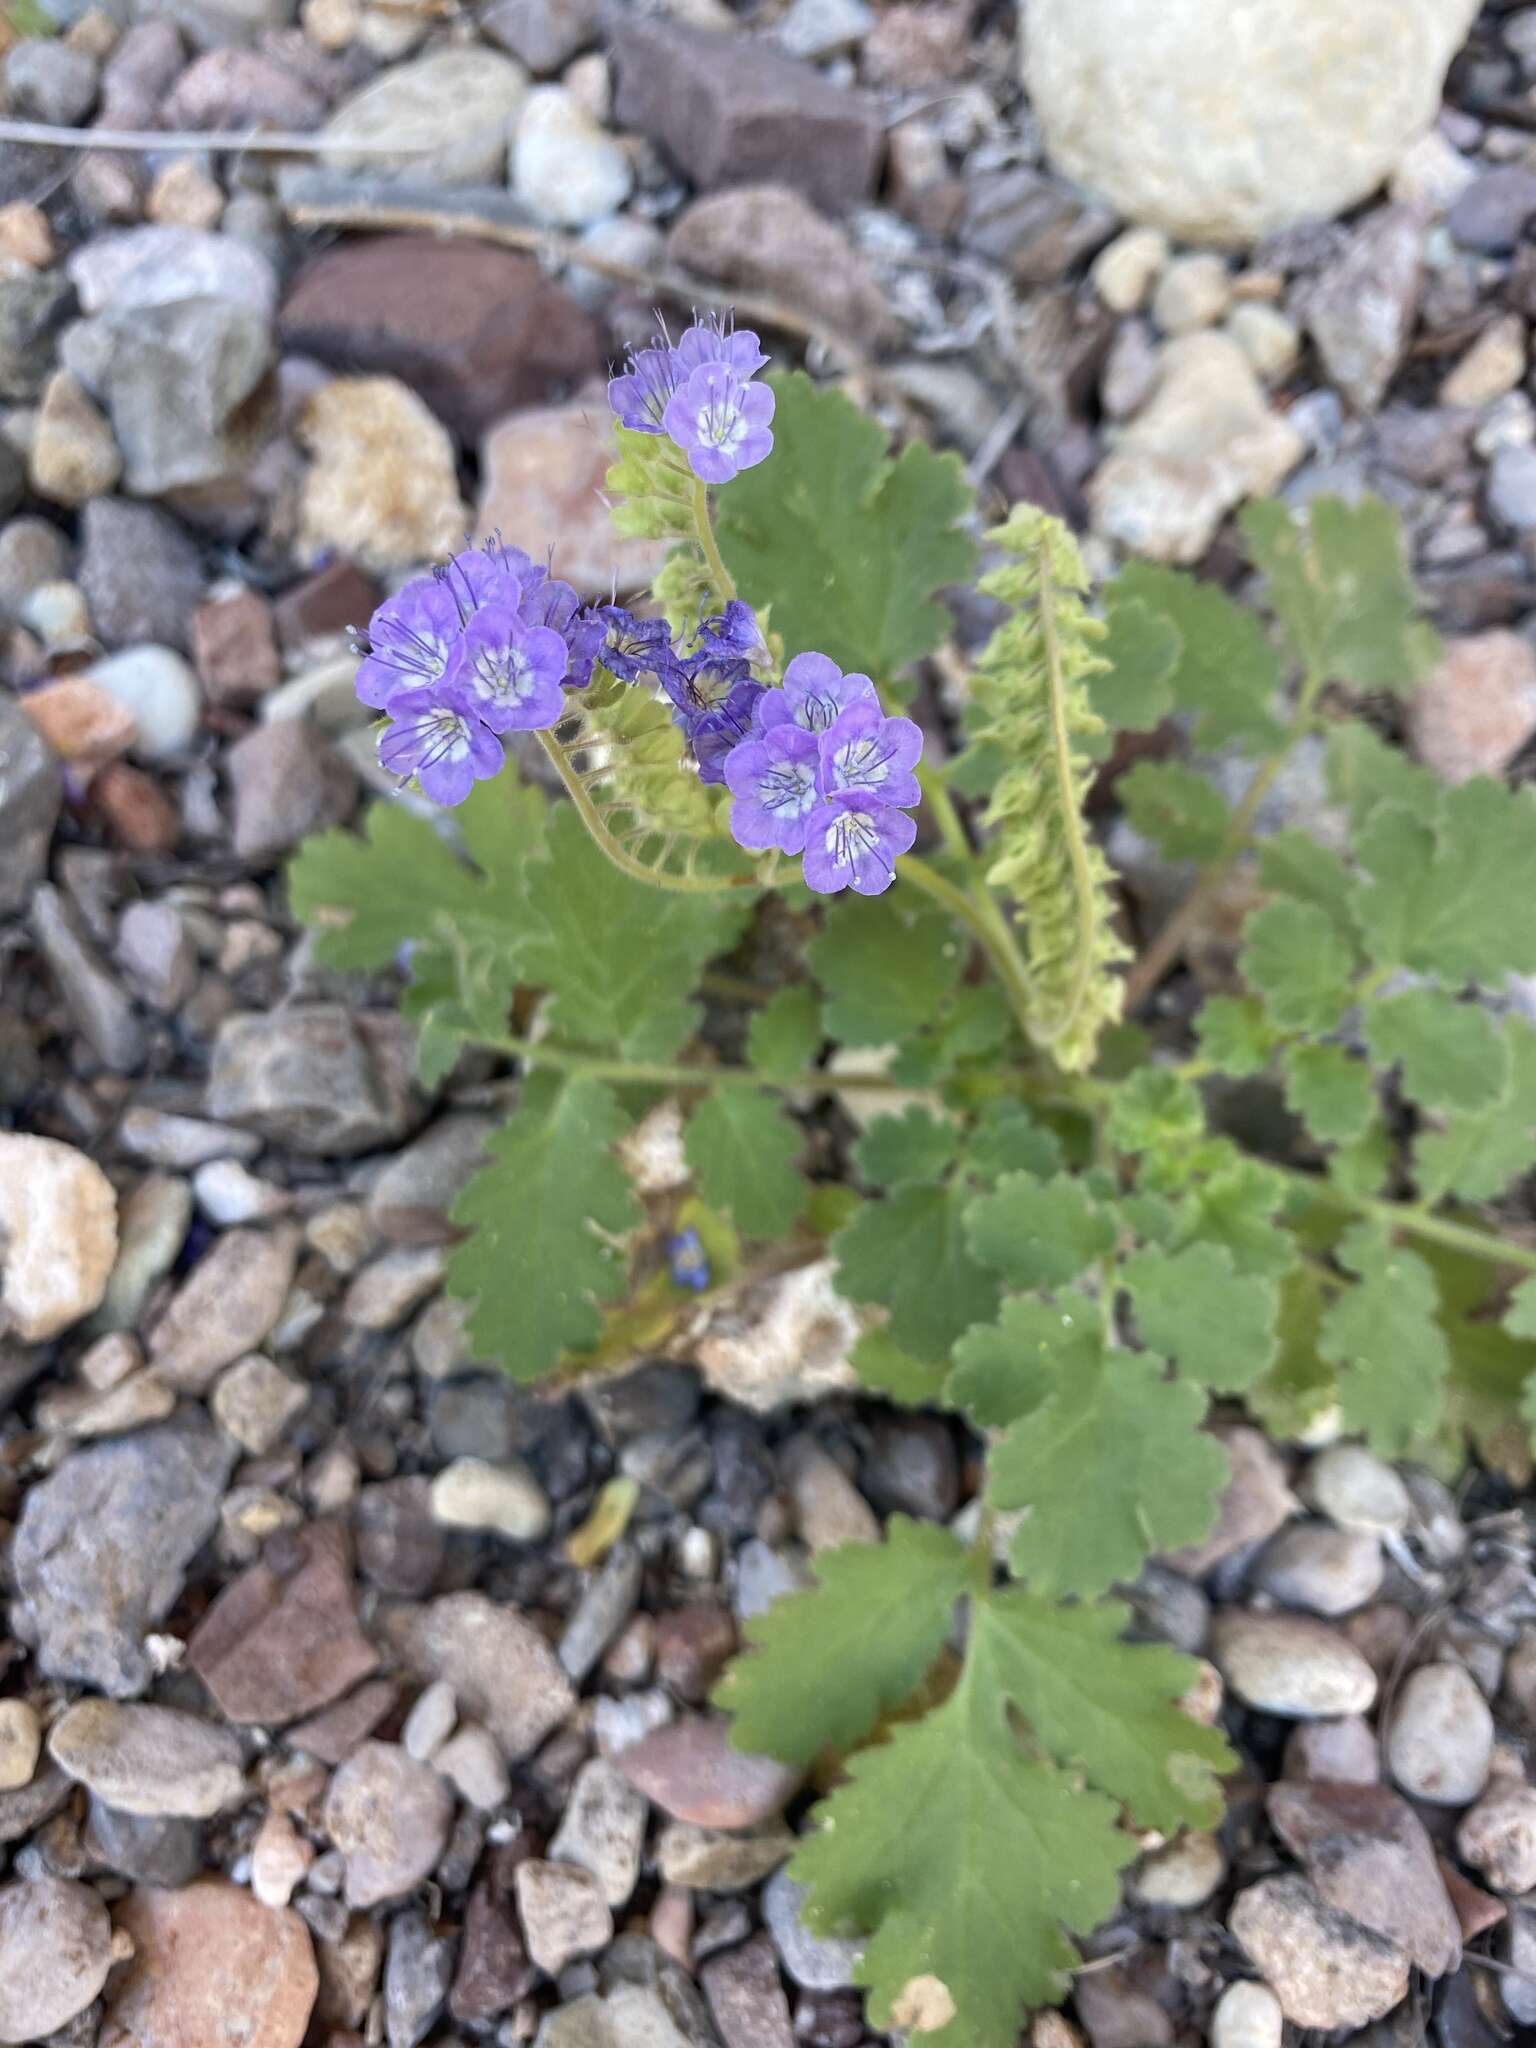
979,913
1416,1221
942,806
656,1074
704,533
603,839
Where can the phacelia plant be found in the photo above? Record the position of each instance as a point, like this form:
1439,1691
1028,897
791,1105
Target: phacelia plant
1051,1231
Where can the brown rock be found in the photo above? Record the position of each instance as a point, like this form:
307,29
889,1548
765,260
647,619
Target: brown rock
236,89
349,1973
279,1643
732,111
399,1546
1256,1501
542,477
233,648
1325,1969
329,601
1476,1910
287,781
136,811
494,1971
475,331
917,46
389,1816
746,1997
212,1968
501,1669
767,238
226,1306
692,1773
1366,1851
80,721
1478,709
333,1733
693,1644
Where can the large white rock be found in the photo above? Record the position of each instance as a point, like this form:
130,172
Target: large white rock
58,1235
443,119
1221,120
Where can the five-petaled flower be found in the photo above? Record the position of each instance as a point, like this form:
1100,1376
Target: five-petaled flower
700,394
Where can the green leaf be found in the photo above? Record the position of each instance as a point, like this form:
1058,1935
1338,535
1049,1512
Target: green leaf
1491,1369
1339,584
912,1146
886,964
1330,1091
785,1035
1520,1316
1007,1139
1293,863
1382,1335
1450,888
1183,814
1234,1035
1038,1233
908,1254
1233,1208
886,1369
844,547
1451,1053
966,1862
1155,1110
1299,1385
1476,1157
1143,648
1228,675
887,1607
1293,955
618,957
1107,1708
1116,1432
742,1149
1006,1369
1365,773
1193,1306
545,1216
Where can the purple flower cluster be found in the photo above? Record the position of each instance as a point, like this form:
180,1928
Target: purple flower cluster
701,395
824,773
484,646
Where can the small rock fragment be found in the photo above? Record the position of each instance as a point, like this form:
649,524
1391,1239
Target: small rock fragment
504,1498
692,1773
501,1669
149,1760
603,1830
563,1913
58,1235
227,1306
1440,1737
1325,1969
389,1817
1286,1664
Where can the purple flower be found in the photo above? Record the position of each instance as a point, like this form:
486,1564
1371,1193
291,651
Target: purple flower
713,340
851,842
773,779
511,673
864,751
733,632
720,422
639,397
633,648
437,739
815,693
714,734
413,642
491,574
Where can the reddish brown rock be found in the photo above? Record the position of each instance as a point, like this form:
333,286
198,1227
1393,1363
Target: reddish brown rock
80,721
1478,708
692,1773
234,648
241,89
212,1968
474,330
767,238
333,1733
693,1644
282,1640
334,598
542,476
136,811
494,1971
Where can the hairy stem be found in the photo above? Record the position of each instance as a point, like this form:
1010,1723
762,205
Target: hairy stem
709,547
1414,1220
980,915
1170,942
603,839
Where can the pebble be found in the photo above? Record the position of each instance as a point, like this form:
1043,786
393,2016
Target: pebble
280,1859
1183,1875
1490,215
158,1852
228,1193
603,1830
149,1760
1269,339
1494,364
1247,2015
473,1764
1326,1970
1361,309
389,1816
255,1401
152,1229
21,1740
226,1307
190,1948
1193,292
1368,1854
1344,1751
1519,1985
392,1286
73,456
31,791
182,194
1498,1836
565,170
55,1952
1477,708
563,1913
417,1973
102,1546
1357,1490
286,782
58,1235
155,950
718,1860
1322,1569
605,1605
501,1669
692,1773
1440,1738
410,1200
493,1970
382,483
829,1508
101,1008
1125,270
318,1078
161,692
447,115
430,1722
541,471
142,576
1512,488
1286,1664
815,1962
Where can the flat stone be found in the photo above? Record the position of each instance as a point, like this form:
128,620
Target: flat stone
718,1860
815,1962
391,1287
417,1973
317,1078
165,1853
606,1604
234,648
1287,1664
1324,1570
58,1235
55,1952
102,1010
103,1544
1498,1836
382,484
278,1644
1361,310
287,781
603,1830
503,1498
21,1740
563,1913
542,474
141,575
228,1306
731,111
1477,709
1036,228
33,309
390,1818
1440,1737
30,1805
1325,1969
692,1773
1357,1490
745,1997
494,1970
410,1201
152,1227
1256,1501
333,1733
769,239
445,118
142,267
1367,1852
31,791
155,1761
190,1948
501,1669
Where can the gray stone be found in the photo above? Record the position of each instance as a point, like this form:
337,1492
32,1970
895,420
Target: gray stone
473,1764
720,1860
446,118
603,1830
152,1228
31,790
1255,1502
1360,311
417,1973
563,1913
410,1200
731,111
1357,1490
319,1078
55,1951
543,34
1037,228
629,2016
604,1607
161,266
47,80
164,1853
34,307
1512,488
1319,1568
816,1962
746,1998
102,1010
1287,1664
1519,1950
226,1307
102,1547
32,552
1491,214
1367,1852
287,781
501,1669
190,389
389,1817
1440,1737
1326,1970
148,1760
1342,1752
142,576
768,238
